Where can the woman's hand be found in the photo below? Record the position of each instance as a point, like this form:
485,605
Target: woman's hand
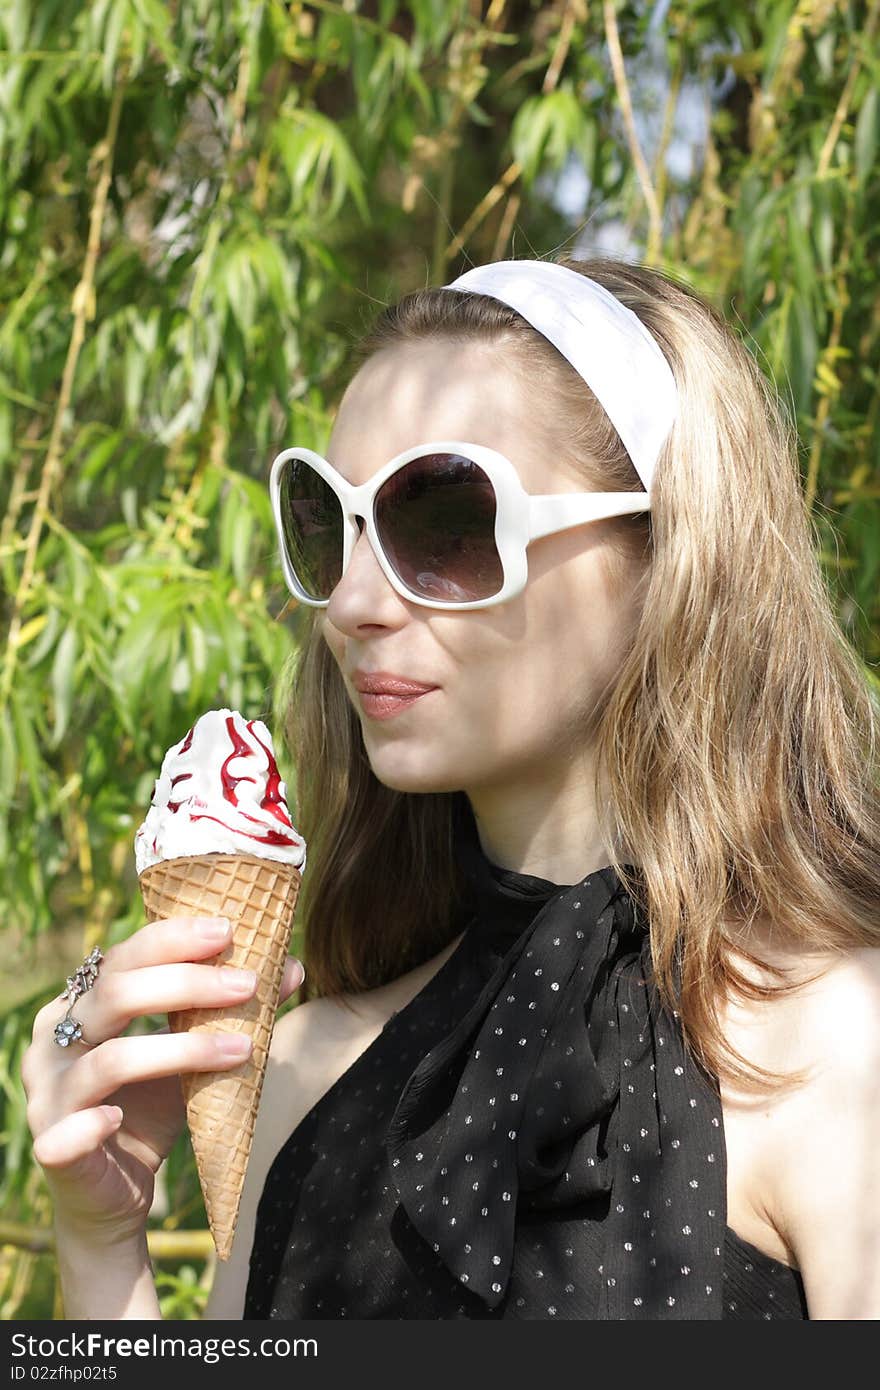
105,1111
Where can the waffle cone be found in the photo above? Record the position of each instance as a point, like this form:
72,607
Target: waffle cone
258,896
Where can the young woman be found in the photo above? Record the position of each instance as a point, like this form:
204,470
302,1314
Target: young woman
588,776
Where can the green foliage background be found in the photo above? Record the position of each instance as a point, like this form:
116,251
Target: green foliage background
201,206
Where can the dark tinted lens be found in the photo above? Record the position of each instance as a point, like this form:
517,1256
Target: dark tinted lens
436,520
311,520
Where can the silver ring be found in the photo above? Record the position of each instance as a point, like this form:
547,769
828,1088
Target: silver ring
69,1030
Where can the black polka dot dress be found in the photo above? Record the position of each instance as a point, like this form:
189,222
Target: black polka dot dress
525,1139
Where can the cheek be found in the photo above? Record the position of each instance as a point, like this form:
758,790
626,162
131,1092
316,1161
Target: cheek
579,631
333,639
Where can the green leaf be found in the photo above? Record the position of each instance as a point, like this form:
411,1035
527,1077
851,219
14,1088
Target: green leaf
803,351
46,640
8,760
546,129
24,718
866,136
242,545
112,37
315,151
823,224
62,683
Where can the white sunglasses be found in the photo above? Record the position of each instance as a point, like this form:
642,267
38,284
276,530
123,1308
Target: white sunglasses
449,523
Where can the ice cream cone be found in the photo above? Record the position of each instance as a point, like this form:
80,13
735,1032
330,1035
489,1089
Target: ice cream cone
259,896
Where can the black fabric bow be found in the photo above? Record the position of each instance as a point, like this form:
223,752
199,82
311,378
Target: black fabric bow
565,1082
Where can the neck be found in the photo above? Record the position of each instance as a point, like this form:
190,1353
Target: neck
550,830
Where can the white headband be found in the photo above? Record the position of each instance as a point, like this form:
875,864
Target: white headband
606,343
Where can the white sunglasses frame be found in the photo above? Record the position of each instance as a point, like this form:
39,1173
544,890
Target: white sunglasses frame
520,517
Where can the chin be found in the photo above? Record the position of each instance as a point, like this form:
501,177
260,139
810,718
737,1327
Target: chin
416,781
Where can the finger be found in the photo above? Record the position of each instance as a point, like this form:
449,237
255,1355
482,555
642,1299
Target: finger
159,989
292,978
169,939
72,1141
120,1061
122,995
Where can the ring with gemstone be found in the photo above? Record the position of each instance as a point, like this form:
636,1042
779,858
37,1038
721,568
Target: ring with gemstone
69,1030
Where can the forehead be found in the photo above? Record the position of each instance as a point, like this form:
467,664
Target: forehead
414,393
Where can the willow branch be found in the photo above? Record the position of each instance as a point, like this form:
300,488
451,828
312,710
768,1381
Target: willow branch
829,354
505,230
18,493
660,174
846,95
655,230
483,208
83,306
227,187
467,54
574,10
162,1245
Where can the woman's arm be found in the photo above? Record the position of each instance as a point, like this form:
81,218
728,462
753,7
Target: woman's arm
105,1283
100,1158
113,1278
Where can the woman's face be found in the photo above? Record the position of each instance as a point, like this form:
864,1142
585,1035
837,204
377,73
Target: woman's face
516,682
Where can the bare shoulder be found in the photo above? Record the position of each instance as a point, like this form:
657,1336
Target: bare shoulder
842,1010
822,1151
803,1029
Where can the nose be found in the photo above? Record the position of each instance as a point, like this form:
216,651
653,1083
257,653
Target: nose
364,596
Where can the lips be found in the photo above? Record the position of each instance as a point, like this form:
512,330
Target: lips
386,683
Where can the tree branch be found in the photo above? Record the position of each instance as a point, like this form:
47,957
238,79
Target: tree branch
655,230
83,306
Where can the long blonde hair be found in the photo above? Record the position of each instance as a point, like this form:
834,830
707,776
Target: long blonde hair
739,741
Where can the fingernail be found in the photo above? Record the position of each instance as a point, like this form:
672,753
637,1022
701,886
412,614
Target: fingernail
213,928
233,1044
242,981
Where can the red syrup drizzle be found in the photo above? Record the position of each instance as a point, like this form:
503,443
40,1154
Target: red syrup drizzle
240,749
185,746
181,777
272,837
270,803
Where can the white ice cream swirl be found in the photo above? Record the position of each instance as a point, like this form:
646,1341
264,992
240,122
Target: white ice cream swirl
220,792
